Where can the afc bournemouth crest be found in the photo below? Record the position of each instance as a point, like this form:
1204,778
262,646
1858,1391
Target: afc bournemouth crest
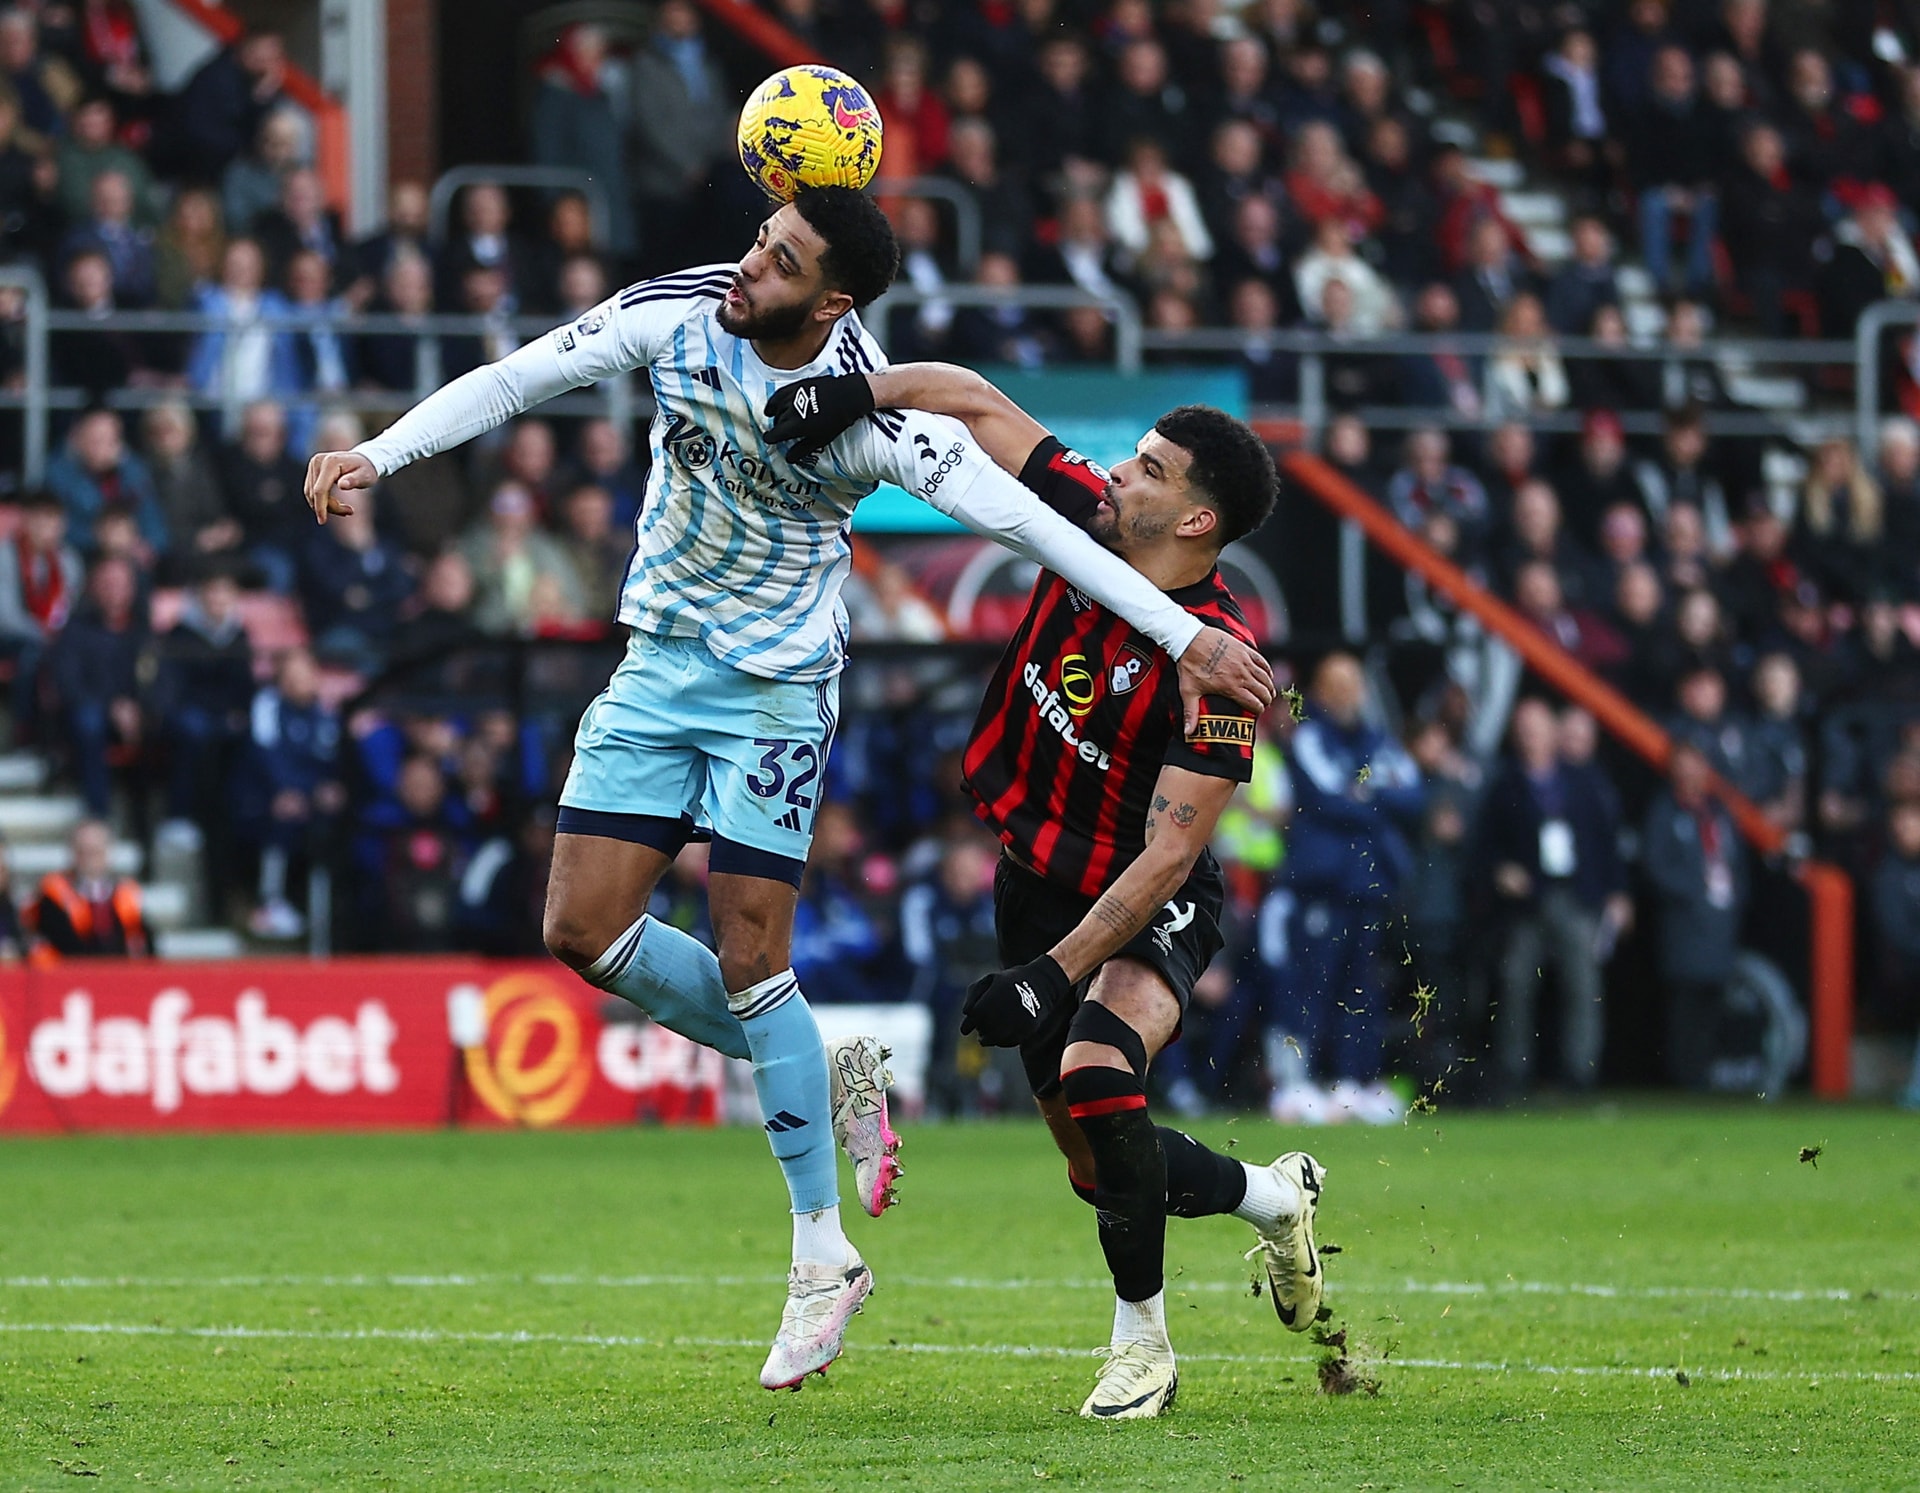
1128,669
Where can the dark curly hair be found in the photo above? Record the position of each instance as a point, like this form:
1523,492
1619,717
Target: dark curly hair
1231,466
862,256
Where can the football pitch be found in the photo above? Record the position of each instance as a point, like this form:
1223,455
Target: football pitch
1640,1296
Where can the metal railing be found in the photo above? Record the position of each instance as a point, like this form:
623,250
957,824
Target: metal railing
1118,307
1866,353
553,178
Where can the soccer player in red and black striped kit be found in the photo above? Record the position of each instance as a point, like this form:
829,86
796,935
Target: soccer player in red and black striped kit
1104,791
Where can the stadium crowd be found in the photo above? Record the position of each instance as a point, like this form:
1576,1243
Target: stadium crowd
179,637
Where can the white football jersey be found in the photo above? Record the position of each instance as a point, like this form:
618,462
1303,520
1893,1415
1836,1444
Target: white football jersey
735,544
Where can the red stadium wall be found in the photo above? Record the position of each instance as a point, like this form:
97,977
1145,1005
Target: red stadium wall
345,1044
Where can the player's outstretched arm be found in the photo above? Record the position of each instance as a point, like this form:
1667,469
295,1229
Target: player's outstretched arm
1186,806
813,412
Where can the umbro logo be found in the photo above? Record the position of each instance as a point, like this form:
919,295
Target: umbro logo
806,404
925,448
1028,998
789,820
785,1121
708,376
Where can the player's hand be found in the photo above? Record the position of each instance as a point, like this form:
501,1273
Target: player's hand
811,412
1217,663
331,473
1009,1008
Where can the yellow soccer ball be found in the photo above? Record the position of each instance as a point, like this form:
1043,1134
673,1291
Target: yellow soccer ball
809,127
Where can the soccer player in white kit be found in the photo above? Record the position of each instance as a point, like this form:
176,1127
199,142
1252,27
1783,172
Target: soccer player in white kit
719,718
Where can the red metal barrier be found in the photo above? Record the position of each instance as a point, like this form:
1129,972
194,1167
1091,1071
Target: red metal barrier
1829,892
289,1044
759,29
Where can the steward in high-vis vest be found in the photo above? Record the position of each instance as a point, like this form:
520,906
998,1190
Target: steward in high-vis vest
86,912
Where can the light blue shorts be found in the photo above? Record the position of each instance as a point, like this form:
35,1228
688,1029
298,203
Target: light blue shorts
680,742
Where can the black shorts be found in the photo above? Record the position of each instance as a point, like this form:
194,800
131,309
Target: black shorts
1031,915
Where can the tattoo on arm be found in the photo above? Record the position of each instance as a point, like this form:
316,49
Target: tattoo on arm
1213,659
1115,913
1185,815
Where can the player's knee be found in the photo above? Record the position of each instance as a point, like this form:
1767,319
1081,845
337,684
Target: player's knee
570,937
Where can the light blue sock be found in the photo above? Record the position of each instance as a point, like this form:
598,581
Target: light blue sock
675,980
790,1075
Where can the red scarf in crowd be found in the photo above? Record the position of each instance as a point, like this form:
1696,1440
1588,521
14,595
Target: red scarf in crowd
43,585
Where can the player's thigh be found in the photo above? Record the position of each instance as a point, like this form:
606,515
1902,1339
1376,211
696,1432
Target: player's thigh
636,752
764,746
597,888
1139,995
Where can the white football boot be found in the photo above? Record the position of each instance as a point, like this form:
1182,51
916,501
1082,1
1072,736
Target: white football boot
1137,1382
860,1080
1286,1245
821,1300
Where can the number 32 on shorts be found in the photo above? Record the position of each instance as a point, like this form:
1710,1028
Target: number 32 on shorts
788,765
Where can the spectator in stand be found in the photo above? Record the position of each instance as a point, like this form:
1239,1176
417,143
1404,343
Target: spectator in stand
839,944
262,482
1614,383
1511,457
322,352
1551,849
1234,172
685,128
1536,534
396,360
353,584
1598,477
221,108
1306,89
189,249
187,487
1582,632
108,228
1704,721
1525,376
485,240
245,361
947,936
917,226
202,691
1006,211
1870,259
1830,149
1586,282
1686,564
915,113
1578,139
95,674
1272,376
1244,92
1623,539
90,149
1493,277
602,457
508,554
1408,253
415,857
1671,171
596,548
1444,378
1145,103
1065,140
1697,869
1083,254
102,358
579,286
95,472
1771,223
1682,469
300,222
1257,252
1358,796
503,894
41,577
1777,743
1639,605
1002,333
45,86
485,293
405,232
1690,375
1897,467
444,621
1325,183
1430,484
251,185
1375,307
87,912
1894,893
1840,525
576,123
1146,192
26,217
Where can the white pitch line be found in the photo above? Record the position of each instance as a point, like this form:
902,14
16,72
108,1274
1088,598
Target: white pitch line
956,1283
432,1336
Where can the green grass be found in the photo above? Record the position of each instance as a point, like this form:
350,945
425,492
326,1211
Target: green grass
524,1311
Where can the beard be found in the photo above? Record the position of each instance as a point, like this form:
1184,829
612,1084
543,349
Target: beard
774,324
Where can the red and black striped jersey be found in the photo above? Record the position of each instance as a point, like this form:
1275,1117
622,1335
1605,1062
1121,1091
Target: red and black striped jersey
1083,712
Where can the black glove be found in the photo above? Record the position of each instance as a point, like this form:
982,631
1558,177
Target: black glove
1009,1008
811,412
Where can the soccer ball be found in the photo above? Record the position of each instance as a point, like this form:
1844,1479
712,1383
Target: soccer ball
809,127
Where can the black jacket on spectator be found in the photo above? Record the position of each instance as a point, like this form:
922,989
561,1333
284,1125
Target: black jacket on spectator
1699,924
345,587
215,118
1769,228
98,360
1575,293
205,673
1516,810
1669,147
264,497
93,663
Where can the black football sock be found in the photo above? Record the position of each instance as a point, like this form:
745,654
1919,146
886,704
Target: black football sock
1130,1193
1200,1183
